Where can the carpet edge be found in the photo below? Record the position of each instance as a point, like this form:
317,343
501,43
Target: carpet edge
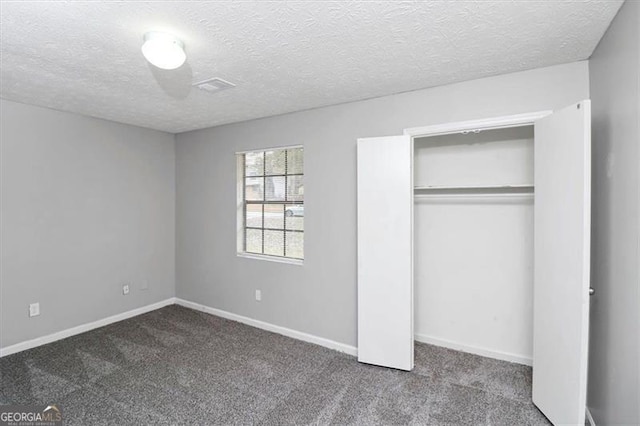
63,334
295,334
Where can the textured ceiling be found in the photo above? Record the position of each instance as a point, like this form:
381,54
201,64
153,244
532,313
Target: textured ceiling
85,56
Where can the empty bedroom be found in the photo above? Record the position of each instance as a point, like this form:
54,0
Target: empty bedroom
320,212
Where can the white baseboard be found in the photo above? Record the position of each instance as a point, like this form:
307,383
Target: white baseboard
321,341
29,344
590,418
327,343
505,356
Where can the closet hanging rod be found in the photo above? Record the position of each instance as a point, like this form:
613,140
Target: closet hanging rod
523,187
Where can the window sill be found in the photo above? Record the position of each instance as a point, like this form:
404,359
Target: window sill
276,259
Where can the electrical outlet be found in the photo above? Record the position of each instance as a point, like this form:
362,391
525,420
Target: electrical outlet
125,289
258,295
34,309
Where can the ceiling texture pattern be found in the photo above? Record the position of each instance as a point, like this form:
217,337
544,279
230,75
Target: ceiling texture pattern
84,57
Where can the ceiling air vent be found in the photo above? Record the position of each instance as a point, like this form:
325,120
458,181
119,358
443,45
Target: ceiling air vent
214,85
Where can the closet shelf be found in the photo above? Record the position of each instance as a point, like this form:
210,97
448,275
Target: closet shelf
492,191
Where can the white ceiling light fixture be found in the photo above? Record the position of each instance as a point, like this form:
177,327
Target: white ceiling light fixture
163,50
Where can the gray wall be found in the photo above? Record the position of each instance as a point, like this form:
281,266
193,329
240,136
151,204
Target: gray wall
320,297
87,204
613,366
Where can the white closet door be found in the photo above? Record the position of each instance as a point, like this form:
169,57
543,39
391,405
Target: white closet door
562,256
385,251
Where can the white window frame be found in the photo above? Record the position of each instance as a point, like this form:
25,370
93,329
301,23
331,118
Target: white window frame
240,219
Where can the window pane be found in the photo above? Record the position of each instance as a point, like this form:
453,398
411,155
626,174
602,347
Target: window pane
274,188
274,162
295,188
253,189
274,243
295,245
254,216
254,164
295,217
274,216
254,240
294,161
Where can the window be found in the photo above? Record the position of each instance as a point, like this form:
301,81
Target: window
271,203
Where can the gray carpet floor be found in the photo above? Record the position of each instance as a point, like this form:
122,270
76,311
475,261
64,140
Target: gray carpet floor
179,366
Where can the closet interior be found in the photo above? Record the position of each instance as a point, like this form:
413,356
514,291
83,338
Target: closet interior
473,241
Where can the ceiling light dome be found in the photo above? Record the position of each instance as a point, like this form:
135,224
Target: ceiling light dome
163,50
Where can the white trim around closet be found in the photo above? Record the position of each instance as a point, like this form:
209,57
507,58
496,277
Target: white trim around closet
516,192
475,125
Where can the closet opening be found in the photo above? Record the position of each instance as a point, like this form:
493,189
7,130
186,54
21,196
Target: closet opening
473,218
453,264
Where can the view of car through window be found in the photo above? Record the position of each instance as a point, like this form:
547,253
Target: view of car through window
295,210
